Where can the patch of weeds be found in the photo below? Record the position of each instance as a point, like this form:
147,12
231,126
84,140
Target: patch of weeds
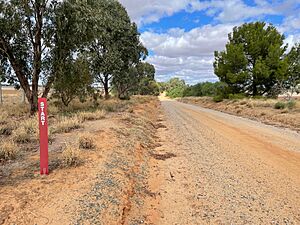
87,141
8,150
70,156
280,105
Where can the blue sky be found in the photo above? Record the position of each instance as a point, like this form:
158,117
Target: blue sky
182,35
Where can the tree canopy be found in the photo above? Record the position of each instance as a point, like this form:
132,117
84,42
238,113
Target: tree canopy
41,40
252,61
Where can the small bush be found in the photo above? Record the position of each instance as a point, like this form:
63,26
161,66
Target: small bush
8,150
66,125
70,156
87,141
89,116
218,98
280,105
291,104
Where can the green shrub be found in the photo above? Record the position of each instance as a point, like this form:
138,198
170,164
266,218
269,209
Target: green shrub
280,105
218,98
291,104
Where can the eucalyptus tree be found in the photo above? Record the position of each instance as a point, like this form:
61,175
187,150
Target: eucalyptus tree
116,47
36,37
24,27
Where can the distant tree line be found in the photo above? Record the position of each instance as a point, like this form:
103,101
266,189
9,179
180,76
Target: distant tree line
72,46
254,63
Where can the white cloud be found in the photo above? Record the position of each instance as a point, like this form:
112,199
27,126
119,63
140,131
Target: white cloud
190,54
201,41
187,54
147,11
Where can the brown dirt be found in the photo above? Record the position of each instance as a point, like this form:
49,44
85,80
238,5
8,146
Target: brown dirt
256,109
107,176
175,164
228,170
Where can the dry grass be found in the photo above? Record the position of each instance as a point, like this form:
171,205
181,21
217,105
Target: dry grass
87,141
66,124
14,110
21,136
27,131
3,116
89,116
71,156
8,150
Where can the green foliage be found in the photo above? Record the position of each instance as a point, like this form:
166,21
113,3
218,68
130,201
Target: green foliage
176,92
280,105
289,83
148,86
218,98
236,96
208,89
252,61
74,80
175,88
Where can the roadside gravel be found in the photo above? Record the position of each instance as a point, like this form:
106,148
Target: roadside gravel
228,170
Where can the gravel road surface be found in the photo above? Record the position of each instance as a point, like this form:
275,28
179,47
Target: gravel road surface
227,170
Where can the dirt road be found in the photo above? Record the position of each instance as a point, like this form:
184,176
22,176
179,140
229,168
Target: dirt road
227,170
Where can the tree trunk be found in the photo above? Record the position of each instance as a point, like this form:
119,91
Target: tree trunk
106,87
1,100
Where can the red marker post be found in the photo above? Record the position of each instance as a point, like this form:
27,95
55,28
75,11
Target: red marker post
43,125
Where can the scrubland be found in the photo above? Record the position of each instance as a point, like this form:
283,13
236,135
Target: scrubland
88,143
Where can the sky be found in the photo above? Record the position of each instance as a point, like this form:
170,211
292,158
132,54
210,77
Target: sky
182,35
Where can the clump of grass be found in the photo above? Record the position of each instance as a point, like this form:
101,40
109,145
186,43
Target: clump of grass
89,116
6,129
27,131
66,125
280,105
3,117
87,141
70,156
31,125
291,104
21,136
8,150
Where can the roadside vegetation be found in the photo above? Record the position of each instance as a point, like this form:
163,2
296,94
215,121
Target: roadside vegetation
258,78
75,49
255,64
